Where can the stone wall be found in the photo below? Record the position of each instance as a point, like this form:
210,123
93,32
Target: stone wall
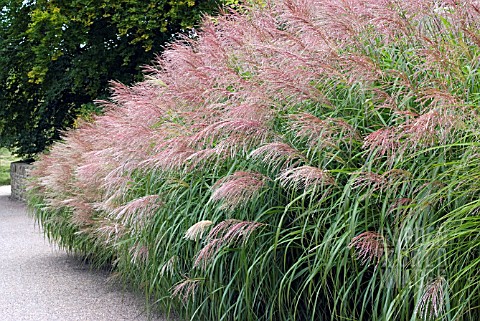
19,174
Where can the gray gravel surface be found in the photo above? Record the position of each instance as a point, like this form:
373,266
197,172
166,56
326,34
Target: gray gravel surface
39,282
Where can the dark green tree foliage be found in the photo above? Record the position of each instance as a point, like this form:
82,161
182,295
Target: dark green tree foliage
56,57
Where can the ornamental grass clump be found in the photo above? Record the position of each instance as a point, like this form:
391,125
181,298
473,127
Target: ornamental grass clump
300,160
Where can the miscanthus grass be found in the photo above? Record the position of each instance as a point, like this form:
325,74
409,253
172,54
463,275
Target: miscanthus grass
302,160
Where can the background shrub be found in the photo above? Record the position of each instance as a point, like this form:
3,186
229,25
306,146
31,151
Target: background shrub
305,160
5,159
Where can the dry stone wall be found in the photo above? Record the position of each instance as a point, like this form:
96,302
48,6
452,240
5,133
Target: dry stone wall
19,174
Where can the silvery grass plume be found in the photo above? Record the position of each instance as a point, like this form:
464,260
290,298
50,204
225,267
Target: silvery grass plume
369,246
138,254
431,304
236,135
196,231
171,154
225,233
278,155
237,189
137,210
185,289
383,142
322,133
370,180
168,267
305,177
110,231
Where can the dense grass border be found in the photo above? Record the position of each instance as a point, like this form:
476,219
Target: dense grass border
307,160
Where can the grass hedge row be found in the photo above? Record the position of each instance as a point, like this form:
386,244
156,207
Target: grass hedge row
300,160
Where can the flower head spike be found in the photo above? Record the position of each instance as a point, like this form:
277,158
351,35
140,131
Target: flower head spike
384,141
232,230
322,132
236,189
138,209
168,267
305,177
431,303
371,180
204,157
195,232
138,253
369,246
185,289
228,232
278,153
436,125
399,203
245,129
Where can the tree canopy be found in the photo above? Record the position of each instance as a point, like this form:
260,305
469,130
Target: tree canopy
56,57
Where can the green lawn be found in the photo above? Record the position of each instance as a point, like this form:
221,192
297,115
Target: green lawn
5,159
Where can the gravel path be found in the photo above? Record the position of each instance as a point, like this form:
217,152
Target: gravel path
39,282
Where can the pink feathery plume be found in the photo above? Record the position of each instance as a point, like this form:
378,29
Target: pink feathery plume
169,266
172,154
371,180
431,304
110,231
137,210
399,203
235,190
369,246
205,157
185,289
138,253
305,177
383,142
248,130
276,154
436,125
322,132
196,231
248,111
233,230
225,233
